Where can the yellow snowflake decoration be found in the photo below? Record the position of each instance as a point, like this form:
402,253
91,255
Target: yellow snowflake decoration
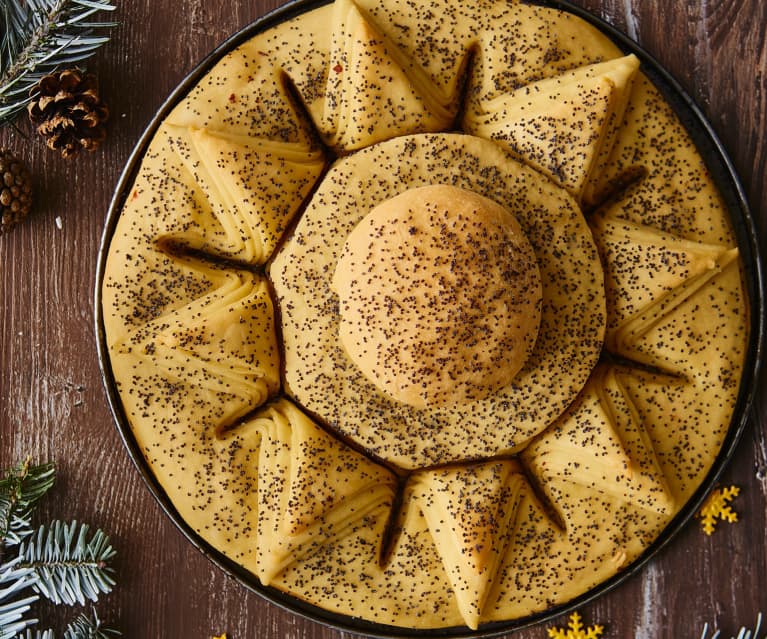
716,508
576,630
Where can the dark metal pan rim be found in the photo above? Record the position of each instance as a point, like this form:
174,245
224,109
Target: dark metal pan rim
726,178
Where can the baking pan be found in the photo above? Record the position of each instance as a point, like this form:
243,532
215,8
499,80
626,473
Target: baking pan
727,181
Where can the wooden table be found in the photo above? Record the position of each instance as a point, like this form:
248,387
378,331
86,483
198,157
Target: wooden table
53,406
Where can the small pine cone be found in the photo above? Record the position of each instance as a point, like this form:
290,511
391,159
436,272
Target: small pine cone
15,191
68,113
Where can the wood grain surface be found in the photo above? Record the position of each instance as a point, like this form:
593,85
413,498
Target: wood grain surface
53,406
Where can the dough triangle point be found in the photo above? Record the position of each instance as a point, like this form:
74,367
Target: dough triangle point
253,186
262,182
648,274
600,445
563,126
470,512
222,341
313,489
372,92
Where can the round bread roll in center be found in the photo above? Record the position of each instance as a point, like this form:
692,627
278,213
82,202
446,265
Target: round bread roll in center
439,296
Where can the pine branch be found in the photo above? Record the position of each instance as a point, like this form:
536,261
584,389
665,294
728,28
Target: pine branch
39,37
60,562
70,568
744,633
84,627
13,605
20,489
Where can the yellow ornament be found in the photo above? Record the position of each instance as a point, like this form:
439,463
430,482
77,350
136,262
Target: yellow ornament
716,508
576,630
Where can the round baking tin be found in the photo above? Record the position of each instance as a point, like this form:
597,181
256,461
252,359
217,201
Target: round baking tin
724,175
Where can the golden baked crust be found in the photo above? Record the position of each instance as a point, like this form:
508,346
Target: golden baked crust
563,126
226,354
439,296
321,377
470,512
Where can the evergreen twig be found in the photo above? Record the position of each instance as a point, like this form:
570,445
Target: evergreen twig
60,561
39,37
85,627
13,604
70,567
744,633
21,488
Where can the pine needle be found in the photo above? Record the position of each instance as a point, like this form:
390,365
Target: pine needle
13,605
42,36
38,634
70,567
21,488
61,561
744,633
85,627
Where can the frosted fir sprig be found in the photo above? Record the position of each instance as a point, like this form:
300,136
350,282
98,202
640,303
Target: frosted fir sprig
15,602
62,561
84,627
70,566
21,487
42,36
744,632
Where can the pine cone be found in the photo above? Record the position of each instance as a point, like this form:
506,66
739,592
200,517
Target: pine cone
15,191
68,112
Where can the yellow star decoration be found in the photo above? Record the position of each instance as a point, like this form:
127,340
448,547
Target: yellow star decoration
220,636
576,630
716,507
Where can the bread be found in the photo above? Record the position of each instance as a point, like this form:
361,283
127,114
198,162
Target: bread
439,296
324,442
322,378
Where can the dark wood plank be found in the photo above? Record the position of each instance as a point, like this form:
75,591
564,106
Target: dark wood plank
52,404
